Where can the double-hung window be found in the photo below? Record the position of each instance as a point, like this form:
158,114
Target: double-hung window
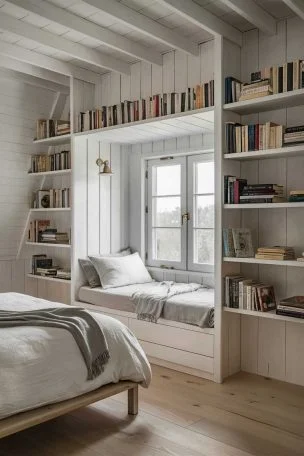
180,213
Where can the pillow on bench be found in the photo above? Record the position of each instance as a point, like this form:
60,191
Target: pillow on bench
90,272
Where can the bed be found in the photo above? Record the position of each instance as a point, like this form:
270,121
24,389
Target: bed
34,385
183,308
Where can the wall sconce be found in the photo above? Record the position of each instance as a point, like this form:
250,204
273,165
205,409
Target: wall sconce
106,166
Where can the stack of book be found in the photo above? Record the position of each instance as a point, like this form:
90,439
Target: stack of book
238,191
247,138
242,293
201,96
294,135
279,253
41,261
53,162
256,89
291,307
296,196
52,198
237,242
36,229
52,236
47,128
64,274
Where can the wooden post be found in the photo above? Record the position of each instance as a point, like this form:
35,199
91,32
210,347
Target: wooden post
133,401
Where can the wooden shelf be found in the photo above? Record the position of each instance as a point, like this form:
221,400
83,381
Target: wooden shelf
54,141
292,263
52,279
51,173
51,209
157,128
276,101
49,244
287,151
264,205
271,315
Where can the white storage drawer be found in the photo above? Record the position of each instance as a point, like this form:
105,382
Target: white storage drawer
170,336
182,358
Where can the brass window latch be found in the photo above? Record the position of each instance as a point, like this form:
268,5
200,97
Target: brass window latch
185,217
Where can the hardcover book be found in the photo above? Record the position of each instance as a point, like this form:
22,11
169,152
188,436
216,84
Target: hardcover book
242,243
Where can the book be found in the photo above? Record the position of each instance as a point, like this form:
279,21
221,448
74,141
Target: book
228,244
242,243
266,298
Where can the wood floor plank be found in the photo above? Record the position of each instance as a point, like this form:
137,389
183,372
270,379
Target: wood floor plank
180,415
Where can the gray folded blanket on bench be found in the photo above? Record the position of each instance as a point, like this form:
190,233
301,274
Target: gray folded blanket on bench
149,306
83,327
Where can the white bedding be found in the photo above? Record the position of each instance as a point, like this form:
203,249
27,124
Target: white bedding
39,365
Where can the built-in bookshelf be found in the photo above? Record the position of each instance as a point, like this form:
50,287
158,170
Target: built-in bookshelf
282,152
285,205
61,172
49,244
293,263
271,315
52,279
54,140
50,209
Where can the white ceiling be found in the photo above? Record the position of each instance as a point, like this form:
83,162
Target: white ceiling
149,8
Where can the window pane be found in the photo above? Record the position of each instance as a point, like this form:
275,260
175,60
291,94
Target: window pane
168,180
204,246
204,211
167,211
204,177
167,244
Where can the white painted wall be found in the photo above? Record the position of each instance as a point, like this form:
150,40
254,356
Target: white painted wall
269,347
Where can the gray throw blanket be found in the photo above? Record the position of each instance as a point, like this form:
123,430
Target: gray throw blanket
149,306
83,327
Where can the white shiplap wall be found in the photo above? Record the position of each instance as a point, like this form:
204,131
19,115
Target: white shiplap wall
268,347
178,72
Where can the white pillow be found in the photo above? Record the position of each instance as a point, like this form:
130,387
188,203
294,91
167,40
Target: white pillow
121,271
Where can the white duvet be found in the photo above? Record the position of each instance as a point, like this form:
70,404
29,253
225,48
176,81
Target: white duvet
39,365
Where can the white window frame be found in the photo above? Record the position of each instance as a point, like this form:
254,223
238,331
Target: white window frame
192,160
187,229
158,163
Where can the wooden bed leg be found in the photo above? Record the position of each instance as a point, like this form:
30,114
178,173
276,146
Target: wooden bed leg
133,401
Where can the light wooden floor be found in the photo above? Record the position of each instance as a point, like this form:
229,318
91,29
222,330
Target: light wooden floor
180,415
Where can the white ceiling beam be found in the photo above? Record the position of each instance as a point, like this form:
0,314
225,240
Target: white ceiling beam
48,63
144,25
297,6
34,81
41,73
75,50
254,14
89,29
204,19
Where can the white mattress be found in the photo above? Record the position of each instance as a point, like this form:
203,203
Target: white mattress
40,365
120,299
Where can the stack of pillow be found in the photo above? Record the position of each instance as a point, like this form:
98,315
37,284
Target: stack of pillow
116,270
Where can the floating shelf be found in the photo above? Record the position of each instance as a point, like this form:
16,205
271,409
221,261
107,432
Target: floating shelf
54,141
271,315
157,128
287,151
294,263
49,244
276,101
51,173
51,209
264,205
52,279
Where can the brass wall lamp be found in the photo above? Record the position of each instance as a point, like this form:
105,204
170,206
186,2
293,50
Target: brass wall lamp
106,167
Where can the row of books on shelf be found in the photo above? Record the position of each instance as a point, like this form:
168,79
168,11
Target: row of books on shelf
253,137
201,96
238,191
52,198
53,162
268,81
41,231
48,128
248,294
44,266
237,243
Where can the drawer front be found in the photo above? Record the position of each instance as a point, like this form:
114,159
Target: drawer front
192,360
169,336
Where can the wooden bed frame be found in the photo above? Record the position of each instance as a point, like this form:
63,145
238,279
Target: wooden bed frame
24,420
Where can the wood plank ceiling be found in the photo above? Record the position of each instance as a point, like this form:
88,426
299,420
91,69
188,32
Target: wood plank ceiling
69,36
